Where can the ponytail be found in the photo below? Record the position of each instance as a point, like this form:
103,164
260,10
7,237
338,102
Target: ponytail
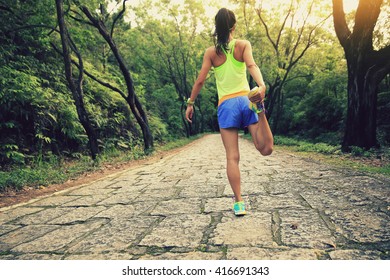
224,23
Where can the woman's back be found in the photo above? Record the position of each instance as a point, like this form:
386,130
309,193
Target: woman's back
229,70
219,59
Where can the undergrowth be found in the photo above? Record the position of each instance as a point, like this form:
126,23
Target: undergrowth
56,170
373,161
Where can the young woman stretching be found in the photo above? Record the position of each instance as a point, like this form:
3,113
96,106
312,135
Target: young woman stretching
230,59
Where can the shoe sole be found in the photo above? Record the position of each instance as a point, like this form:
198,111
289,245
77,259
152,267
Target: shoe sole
240,213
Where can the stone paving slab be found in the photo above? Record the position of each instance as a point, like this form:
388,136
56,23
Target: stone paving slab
24,235
305,229
85,201
116,236
44,217
253,230
253,253
179,208
15,213
178,231
57,240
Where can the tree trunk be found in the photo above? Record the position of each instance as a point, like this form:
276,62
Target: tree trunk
77,90
272,98
362,106
366,69
132,99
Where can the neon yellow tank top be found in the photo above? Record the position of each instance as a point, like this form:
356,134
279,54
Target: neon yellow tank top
231,75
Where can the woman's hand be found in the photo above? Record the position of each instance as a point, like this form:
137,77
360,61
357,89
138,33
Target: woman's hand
189,113
259,95
262,89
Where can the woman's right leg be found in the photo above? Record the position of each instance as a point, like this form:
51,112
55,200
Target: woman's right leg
230,141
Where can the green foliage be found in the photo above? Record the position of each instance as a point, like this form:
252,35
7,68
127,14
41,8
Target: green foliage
43,173
159,128
54,170
358,151
11,152
305,146
358,159
164,102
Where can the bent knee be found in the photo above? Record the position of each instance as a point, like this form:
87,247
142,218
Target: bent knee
266,151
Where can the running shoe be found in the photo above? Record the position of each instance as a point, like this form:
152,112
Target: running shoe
239,208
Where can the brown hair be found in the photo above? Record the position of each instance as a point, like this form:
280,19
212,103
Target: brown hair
224,23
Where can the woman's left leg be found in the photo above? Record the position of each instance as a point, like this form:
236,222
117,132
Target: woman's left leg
230,141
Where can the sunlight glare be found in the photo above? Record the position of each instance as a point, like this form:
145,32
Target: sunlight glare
350,5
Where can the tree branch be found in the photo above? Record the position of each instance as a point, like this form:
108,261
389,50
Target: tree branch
342,31
297,77
383,54
380,59
258,11
81,64
366,17
105,84
284,24
78,19
117,18
301,32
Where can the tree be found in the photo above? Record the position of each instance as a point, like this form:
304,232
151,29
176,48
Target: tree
131,98
173,50
290,39
366,66
76,88
98,21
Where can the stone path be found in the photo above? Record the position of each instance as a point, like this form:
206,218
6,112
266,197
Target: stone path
180,208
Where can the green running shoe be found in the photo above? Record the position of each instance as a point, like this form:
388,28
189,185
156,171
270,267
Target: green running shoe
239,208
256,107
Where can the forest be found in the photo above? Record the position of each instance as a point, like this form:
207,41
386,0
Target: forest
80,80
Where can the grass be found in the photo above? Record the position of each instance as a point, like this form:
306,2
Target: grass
372,161
55,170
305,146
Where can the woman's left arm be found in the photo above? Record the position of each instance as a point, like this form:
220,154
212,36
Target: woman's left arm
206,66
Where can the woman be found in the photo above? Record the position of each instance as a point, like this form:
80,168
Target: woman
230,58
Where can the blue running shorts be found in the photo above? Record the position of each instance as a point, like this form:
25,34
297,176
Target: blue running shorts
235,113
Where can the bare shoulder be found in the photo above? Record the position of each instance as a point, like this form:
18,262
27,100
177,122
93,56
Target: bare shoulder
242,43
210,51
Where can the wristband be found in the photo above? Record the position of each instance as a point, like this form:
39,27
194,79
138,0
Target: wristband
190,102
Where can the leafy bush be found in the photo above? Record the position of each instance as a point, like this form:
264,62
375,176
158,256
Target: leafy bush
358,151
